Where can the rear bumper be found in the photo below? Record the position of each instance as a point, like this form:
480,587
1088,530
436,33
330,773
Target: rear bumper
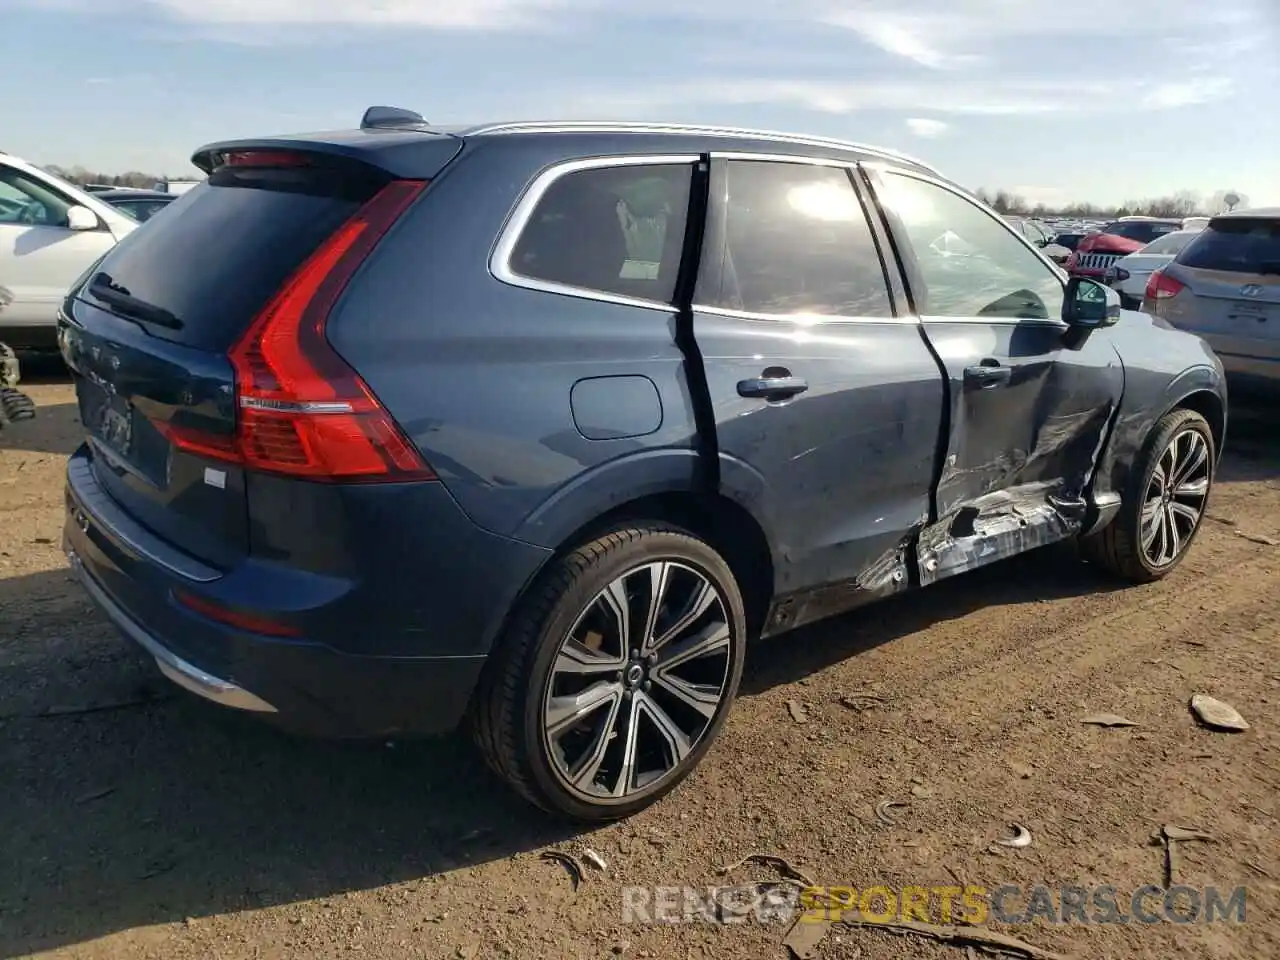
321,683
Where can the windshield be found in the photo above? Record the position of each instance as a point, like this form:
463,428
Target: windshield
1142,230
1170,243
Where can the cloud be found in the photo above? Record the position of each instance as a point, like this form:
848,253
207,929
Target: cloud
924,127
956,96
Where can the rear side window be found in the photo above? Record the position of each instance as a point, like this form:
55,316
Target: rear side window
228,245
616,230
796,241
1236,244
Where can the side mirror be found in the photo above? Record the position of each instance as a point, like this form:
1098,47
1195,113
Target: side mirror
1089,304
82,218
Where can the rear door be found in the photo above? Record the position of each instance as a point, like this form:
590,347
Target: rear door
1231,278
821,384
1027,415
146,334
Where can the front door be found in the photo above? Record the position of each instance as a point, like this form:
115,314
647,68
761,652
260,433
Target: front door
1027,414
827,402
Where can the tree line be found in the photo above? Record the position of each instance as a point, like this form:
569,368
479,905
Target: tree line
1184,203
134,178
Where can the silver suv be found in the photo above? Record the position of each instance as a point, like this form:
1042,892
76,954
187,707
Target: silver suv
1225,286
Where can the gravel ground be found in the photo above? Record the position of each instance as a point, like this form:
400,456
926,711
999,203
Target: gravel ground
159,826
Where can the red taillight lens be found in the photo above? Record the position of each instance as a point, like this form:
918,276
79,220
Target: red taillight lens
1162,287
265,158
302,411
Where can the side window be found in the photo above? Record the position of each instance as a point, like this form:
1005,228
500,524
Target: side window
796,242
970,264
617,230
25,200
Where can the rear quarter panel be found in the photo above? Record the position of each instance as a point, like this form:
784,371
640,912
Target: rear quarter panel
479,373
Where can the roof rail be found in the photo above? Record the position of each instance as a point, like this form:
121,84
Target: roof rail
381,118
588,126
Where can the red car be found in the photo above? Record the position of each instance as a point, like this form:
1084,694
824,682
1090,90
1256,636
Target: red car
1098,251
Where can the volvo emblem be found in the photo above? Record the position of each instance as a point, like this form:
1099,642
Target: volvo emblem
1251,290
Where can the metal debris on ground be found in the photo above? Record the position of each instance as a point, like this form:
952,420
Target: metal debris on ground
594,859
885,808
1021,837
986,940
798,711
771,860
1108,720
570,864
1218,715
862,700
1258,538
1167,836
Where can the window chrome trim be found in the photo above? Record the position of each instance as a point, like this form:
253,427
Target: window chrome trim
803,319
588,126
796,158
500,258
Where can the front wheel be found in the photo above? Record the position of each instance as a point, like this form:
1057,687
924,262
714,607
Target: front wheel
615,674
1165,503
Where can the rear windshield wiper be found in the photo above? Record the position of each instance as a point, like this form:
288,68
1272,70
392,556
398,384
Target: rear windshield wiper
108,291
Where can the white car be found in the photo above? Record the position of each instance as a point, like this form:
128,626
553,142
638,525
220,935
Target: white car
51,232
1128,276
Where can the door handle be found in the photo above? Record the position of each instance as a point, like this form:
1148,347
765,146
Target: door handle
988,374
772,388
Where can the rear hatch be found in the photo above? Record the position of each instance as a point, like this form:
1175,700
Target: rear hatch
1230,278
148,330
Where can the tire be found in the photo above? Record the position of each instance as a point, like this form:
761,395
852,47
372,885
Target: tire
1118,547
570,617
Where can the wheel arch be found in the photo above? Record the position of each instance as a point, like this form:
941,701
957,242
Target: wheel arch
1209,405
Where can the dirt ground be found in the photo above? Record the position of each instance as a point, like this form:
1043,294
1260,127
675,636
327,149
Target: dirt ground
160,826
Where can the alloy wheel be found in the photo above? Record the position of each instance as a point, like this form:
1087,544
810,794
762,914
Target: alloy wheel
637,681
1176,497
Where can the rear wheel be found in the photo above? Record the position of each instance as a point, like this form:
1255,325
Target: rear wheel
615,674
1165,503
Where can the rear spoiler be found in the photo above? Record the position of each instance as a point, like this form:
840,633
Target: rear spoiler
407,153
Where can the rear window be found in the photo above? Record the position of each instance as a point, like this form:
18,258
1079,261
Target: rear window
1143,231
1237,245
1170,243
224,248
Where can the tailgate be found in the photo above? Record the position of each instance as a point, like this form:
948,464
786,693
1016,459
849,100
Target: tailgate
147,332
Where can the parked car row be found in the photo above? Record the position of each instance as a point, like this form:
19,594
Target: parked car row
531,427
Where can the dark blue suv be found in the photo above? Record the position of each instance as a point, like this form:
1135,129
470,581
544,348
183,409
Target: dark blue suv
532,426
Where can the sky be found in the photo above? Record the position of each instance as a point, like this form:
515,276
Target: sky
1055,100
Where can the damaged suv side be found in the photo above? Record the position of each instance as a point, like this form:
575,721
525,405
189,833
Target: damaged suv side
532,426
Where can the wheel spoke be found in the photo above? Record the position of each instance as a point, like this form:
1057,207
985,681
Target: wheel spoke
700,644
1189,514
703,597
1197,456
701,697
659,576
627,772
1193,488
568,711
577,658
1173,542
614,598
678,743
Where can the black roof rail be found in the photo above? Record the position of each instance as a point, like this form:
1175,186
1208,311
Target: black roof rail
376,118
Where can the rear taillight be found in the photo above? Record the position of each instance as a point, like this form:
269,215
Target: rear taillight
302,411
1162,287
265,158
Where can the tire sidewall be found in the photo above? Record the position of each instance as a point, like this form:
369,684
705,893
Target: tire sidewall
660,544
